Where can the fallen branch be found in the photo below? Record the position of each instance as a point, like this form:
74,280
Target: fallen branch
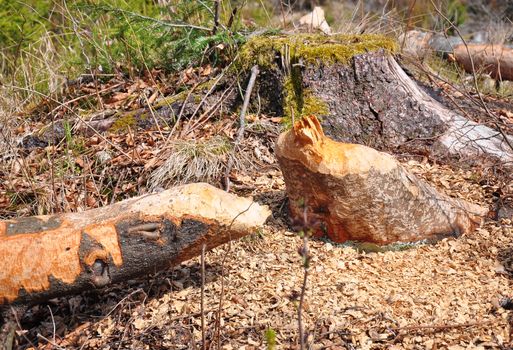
442,326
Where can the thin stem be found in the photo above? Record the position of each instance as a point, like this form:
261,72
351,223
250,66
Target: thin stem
150,19
216,16
242,118
303,291
306,267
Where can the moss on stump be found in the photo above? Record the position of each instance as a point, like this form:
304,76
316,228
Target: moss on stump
288,55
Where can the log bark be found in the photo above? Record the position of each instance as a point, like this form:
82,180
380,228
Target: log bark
353,192
48,256
496,60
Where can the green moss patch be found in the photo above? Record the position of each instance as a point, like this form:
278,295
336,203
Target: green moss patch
128,121
293,52
310,48
299,102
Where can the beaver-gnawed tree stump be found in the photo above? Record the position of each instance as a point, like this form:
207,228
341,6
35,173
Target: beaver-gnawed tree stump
353,192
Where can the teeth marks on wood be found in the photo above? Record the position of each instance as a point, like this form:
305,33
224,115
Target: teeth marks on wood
95,260
149,231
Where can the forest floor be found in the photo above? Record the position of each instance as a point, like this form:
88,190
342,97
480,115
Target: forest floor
450,295
446,295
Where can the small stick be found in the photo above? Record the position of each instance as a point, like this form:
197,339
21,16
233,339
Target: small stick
304,254
242,117
216,17
202,306
442,326
408,22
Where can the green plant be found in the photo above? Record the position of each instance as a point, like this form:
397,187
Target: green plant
270,338
173,39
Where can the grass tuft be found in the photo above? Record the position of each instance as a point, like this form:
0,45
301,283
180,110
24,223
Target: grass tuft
192,161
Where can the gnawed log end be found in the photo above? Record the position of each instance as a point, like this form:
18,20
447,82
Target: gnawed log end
353,192
48,256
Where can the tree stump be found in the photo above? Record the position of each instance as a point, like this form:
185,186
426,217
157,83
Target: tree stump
361,95
353,192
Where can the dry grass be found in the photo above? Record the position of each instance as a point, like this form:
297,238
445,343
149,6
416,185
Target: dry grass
191,161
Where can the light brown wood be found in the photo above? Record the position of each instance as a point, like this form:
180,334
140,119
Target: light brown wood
496,60
48,256
353,192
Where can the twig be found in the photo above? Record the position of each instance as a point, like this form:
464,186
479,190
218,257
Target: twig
203,118
82,46
149,19
242,118
306,268
182,108
53,322
53,343
217,327
216,16
442,326
408,22
202,306
78,116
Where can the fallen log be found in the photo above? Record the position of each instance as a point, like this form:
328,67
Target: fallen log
48,256
493,59
496,60
353,192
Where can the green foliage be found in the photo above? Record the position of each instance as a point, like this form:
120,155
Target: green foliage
44,42
270,338
171,40
22,23
456,12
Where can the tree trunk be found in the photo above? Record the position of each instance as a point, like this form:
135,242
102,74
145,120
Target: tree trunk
48,256
353,192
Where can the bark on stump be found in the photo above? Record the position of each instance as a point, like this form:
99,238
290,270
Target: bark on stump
48,256
374,102
353,192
